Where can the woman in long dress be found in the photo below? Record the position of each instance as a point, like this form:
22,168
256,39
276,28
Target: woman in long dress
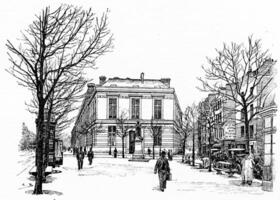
247,169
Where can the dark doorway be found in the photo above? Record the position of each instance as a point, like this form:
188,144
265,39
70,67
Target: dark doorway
131,141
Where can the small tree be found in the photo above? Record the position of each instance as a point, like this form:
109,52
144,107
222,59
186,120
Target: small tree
27,139
89,127
123,127
155,134
244,70
184,130
193,120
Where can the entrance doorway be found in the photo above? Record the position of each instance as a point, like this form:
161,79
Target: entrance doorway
131,142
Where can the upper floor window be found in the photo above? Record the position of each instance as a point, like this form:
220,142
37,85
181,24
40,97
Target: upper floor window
251,110
242,131
112,108
157,109
242,114
251,131
135,106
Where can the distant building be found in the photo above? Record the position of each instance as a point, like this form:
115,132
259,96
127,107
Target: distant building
220,111
228,128
140,100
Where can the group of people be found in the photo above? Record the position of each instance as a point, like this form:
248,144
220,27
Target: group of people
80,155
169,153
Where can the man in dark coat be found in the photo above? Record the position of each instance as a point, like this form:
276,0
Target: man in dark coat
162,168
90,155
115,152
80,158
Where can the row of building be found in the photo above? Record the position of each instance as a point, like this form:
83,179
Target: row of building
146,100
221,124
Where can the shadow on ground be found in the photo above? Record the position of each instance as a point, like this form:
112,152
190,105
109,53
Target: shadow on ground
48,192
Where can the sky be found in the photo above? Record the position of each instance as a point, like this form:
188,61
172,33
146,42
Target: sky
160,38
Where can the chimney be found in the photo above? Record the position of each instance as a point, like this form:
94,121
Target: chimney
102,80
142,77
165,81
91,87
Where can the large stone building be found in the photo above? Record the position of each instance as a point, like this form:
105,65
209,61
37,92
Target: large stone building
139,100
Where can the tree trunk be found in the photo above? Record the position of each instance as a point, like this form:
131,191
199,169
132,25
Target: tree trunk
247,134
193,152
110,147
210,154
183,149
123,147
39,151
153,150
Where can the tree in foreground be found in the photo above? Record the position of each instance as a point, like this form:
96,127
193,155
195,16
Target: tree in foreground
244,70
123,127
58,45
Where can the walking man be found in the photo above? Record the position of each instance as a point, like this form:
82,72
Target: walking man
80,158
162,168
90,155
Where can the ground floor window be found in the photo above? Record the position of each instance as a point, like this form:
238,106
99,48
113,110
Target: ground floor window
111,135
158,136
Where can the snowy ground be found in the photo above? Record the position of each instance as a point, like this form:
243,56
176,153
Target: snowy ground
109,178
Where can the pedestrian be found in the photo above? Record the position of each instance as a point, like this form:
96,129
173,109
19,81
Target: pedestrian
163,170
85,150
247,170
169,154
90,156
149,151
80,158
115,152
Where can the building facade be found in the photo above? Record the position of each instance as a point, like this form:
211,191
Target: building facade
216,118
136,101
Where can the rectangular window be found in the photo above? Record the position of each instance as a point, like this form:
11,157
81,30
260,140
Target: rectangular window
112,108
242,114
135,106
242,131
111,135
251,110
251,131
157,108
158,136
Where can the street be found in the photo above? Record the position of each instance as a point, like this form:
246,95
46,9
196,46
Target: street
118,178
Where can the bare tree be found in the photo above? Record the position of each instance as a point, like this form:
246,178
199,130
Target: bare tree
123,127
244,70
93,128
193,120
60,43
184,130
207,113
155,128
